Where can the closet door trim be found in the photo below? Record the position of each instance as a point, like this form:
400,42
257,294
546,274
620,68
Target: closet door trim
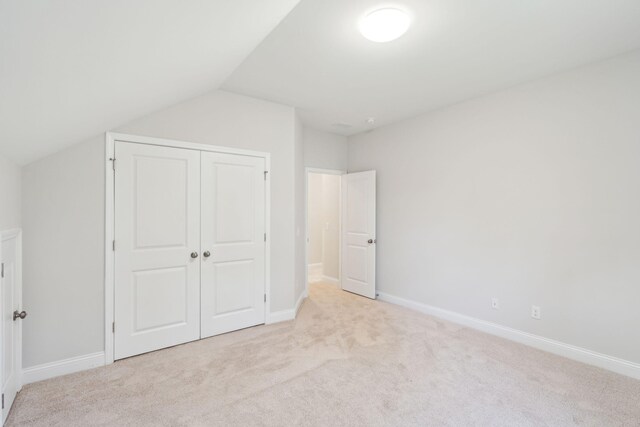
111,164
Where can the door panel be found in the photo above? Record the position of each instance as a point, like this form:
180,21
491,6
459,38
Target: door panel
160,297
157,217
10,328
233,226
359,231
154,179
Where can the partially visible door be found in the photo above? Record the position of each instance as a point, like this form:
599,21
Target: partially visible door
233,242
11,302
157,247
359,233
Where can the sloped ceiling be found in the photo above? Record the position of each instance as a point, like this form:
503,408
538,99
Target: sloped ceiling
318,61
71,69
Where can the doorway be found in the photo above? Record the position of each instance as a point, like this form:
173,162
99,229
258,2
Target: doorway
323,226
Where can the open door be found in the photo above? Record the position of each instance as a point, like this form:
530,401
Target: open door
359,233
10,298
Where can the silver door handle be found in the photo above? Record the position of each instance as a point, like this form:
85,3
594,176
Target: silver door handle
371,241
206,254
19,315
194,254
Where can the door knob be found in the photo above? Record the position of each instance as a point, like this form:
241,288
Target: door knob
370,241
206,254
19,314
194,254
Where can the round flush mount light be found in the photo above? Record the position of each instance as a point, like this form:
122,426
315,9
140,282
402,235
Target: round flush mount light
384,25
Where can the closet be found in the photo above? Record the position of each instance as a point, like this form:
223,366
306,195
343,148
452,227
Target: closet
190,245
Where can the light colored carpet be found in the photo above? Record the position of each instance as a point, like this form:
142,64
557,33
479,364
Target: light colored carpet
345,361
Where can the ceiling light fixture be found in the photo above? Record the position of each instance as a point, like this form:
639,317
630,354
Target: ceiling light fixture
384,25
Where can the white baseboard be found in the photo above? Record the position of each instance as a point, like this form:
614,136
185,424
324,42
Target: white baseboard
331,280
62,367
303,295
281,316
580,354
284,315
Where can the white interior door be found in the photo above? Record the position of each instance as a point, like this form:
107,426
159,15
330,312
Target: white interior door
157,247
233,242
11,364
359,233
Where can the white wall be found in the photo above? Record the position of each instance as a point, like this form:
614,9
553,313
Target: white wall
530,195
324,150
63,221
10,194
63,248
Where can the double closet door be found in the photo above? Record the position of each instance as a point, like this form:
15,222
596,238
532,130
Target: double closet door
189,245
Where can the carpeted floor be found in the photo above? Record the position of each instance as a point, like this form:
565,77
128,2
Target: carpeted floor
345,361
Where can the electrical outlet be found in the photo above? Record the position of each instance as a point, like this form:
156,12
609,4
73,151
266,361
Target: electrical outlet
535,312
495,303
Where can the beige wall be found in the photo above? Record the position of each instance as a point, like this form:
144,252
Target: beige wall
300,231
530,195
324,222
331,222
316,217
10,194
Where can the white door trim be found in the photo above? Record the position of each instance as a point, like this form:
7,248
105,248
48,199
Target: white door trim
109,235
16,233
307,171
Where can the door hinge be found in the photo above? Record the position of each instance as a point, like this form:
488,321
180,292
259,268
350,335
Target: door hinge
265,237
2,400
113,327
113,245
265,175
265,297
2,270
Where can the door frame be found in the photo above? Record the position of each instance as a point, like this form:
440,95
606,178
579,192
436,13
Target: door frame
109,215
15,233
307,171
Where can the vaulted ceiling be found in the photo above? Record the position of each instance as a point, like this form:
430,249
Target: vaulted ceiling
317,60
70,70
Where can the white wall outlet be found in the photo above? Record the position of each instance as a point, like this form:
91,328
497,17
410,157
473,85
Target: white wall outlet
495,303
535,312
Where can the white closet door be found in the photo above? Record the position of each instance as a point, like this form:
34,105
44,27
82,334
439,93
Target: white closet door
233,227
359,233
157,246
